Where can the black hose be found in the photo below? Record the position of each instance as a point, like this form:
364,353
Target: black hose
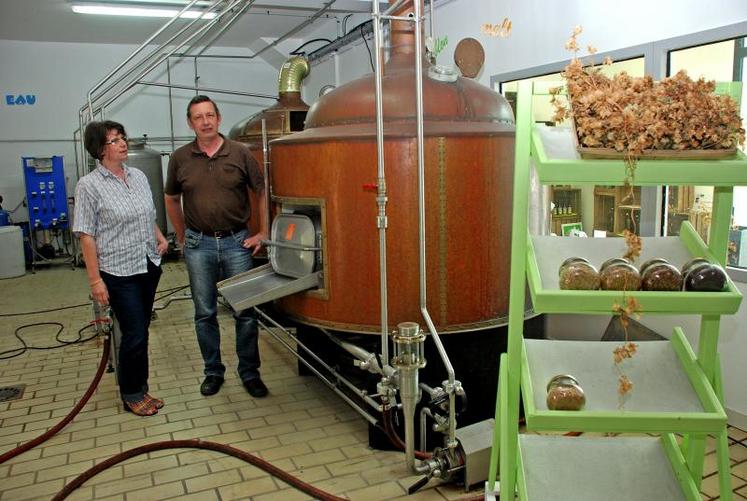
298,49
49,433
286,477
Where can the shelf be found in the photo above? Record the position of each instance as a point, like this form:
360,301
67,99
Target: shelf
558,162
674,391
612,469
670,393
546,254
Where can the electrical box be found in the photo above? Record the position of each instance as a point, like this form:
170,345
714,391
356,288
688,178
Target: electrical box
46,195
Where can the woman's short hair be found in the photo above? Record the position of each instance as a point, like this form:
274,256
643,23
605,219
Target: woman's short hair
94,136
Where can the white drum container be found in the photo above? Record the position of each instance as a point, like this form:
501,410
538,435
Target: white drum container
11,252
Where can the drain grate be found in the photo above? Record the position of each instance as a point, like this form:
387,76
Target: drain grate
8,393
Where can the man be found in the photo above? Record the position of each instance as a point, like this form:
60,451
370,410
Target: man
213,175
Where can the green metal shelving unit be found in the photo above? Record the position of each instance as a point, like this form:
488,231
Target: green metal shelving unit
677,400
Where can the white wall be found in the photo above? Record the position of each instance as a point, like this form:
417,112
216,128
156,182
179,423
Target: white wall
541,28
60,75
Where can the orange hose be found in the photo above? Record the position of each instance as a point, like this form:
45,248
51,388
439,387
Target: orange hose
286,477
395,439
83,401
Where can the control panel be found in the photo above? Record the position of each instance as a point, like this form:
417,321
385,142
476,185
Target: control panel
46,195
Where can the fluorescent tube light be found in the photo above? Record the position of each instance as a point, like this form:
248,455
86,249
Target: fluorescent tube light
139,12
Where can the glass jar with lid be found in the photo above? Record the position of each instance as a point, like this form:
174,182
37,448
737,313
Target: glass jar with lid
565,394
578,274
705,277
661,276
619,277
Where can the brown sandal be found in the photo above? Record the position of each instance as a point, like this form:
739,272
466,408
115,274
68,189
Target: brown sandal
141,408
156,402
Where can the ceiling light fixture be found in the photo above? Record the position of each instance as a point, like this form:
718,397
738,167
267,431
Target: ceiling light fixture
139,12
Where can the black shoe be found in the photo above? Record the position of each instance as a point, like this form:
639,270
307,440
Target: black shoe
211,385
256,387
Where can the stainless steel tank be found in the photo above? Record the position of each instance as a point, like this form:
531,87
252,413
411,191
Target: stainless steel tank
148,160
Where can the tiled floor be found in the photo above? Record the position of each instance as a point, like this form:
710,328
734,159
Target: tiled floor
300,427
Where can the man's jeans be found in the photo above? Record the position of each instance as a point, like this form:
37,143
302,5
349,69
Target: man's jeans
210,260
131,298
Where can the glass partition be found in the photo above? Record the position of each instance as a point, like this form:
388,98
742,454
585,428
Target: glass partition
721,61
601,210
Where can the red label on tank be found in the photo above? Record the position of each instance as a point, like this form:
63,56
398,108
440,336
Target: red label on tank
290,231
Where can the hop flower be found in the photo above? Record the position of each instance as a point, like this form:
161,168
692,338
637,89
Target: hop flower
625,386
634,244
624,351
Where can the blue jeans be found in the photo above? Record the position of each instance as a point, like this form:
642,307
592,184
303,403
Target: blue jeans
131,299
210,260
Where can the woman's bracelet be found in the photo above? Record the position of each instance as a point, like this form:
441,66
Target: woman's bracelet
96,282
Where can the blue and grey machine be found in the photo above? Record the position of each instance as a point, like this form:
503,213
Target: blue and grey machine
46,197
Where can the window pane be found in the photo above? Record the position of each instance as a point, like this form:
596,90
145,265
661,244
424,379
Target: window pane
715,61
602,208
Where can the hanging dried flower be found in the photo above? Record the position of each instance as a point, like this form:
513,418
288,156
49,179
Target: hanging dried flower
627,349
634,245
625,386
631,309
624,351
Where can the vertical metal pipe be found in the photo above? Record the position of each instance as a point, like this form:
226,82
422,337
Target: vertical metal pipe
336,59
197,76
266,157
408,360
171,103
424,412
81,147
409,395
381,185
421,226
432,28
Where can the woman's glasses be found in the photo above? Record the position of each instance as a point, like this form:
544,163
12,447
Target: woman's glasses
116,140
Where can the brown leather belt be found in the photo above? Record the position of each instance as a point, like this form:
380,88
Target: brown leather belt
222,233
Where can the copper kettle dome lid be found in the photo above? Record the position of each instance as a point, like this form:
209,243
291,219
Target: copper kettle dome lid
289,99
459,100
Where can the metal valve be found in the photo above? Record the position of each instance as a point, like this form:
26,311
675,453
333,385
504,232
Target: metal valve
409,346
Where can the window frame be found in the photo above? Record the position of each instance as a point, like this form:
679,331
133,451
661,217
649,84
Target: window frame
656,63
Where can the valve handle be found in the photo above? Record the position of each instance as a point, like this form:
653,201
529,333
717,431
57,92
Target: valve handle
417,485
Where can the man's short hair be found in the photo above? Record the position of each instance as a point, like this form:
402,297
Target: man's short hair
201,99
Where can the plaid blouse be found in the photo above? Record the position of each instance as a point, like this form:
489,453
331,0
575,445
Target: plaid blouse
120,217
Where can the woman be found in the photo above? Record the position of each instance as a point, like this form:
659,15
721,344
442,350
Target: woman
122,247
